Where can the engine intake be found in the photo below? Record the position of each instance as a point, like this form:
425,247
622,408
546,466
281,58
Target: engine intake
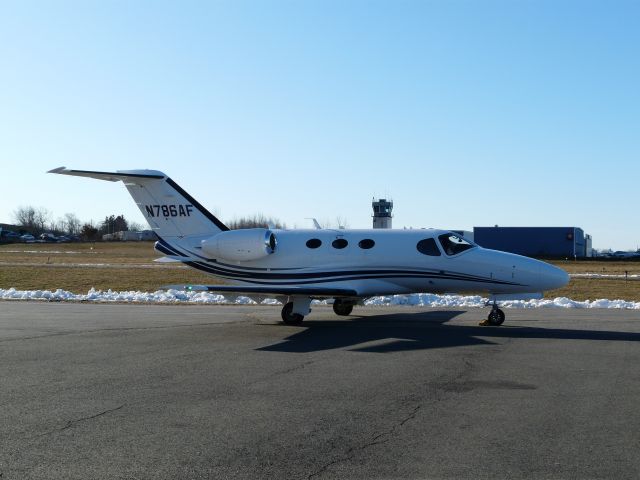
241,245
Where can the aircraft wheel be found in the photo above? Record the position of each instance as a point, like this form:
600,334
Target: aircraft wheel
341,308
496,317
290,318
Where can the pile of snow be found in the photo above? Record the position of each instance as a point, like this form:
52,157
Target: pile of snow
417,299
473,301
160,296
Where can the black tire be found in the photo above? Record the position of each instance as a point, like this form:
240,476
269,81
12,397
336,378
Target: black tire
341,308
290,318
496,317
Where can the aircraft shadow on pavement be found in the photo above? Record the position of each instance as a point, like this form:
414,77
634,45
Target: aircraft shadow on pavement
420,331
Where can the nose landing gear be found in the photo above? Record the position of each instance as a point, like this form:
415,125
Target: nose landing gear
495,318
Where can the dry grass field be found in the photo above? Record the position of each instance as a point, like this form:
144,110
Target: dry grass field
77,267
600,266
124,266
594,288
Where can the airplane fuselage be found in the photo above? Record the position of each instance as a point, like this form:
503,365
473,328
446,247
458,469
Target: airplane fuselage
297,266
377,262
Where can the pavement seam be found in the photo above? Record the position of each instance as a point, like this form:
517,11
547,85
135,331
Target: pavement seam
100,330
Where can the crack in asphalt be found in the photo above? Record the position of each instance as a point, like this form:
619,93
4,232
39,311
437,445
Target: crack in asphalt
293,368
439,394
377,439
33,337
71,423
279,373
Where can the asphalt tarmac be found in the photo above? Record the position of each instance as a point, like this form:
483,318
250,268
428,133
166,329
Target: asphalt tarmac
103,391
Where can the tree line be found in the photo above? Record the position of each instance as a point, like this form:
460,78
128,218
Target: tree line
255,221
39,220
36,221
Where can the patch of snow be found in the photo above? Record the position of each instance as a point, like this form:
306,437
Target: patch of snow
416,299
47,252
96,265
432,300
604,275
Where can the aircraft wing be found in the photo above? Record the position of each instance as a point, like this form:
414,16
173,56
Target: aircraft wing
267,290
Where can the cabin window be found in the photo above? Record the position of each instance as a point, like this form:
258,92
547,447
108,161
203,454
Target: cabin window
428,247
339,243
314,243
452,244
366,244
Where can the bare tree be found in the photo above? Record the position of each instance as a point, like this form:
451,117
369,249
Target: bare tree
25,216
42,218
342,222
32,219
136,227
57,227
256,221
71,223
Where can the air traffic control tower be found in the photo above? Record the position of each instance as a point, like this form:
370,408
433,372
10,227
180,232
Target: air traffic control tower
382,213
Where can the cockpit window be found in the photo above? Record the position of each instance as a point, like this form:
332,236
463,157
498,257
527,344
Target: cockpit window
452,244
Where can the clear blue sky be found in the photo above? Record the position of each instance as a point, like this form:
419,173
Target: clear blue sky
465,112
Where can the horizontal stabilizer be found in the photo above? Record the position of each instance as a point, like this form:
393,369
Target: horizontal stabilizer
109,176
267,290
168,209
169,259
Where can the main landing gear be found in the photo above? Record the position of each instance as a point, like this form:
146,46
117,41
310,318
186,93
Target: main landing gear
293,312
495,318
340,307
290,318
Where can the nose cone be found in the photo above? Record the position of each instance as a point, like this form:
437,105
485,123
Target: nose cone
552,277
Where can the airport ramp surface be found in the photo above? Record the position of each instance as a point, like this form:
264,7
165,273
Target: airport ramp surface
151,391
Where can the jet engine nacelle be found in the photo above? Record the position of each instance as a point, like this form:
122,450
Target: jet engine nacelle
241,245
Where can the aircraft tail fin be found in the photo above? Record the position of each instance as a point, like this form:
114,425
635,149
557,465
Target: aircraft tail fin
169,210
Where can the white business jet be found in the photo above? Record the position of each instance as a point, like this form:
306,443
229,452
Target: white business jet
296,266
